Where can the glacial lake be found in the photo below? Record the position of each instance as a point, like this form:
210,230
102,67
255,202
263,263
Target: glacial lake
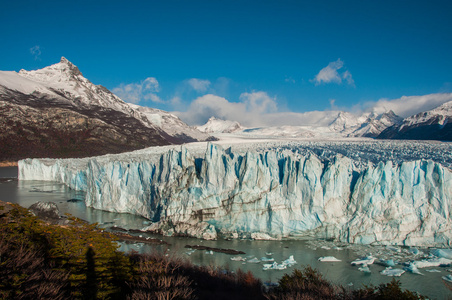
305,253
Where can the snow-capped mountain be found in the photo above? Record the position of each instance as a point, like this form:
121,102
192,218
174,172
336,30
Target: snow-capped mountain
371,124
215,125
171,124
435,124
330,125
56,112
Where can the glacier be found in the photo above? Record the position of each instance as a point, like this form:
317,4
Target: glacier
279,191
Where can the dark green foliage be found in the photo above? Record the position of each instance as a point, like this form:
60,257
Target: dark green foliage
81,261
305,284
388,291
309,284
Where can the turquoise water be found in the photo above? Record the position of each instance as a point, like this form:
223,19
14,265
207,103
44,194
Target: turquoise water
305,253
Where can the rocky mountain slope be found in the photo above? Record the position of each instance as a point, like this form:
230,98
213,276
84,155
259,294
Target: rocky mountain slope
56,112
435,124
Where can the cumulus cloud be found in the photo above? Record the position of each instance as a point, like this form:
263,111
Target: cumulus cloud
253,110
407,105
199,85
250,111
330,74
36,52
145,90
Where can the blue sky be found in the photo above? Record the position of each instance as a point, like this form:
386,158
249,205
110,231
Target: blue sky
269,56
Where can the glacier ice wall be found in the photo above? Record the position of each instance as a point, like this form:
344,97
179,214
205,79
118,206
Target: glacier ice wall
281,194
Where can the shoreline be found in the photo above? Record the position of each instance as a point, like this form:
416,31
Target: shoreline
4,164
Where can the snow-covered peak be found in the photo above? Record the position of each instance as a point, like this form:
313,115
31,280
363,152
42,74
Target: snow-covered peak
215,125
437,115
64,71
65,83
343,121
170,123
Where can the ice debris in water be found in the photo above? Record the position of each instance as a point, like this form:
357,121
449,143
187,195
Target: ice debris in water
328,259
432,262
238,258
364,268
433,271
290,261
389,271
282,266
448,278
190,252
267,259
445,253
388,262
415,251
274,266
413,269
368,260
254,260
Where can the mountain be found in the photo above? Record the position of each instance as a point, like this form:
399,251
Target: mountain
374,124
56,112
329,125
172,125
215,125
435,124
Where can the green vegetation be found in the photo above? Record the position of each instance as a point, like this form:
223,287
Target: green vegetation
81,261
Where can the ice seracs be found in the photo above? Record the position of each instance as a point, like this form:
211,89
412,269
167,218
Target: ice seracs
280,191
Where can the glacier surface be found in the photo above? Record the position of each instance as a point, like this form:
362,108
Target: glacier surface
279,190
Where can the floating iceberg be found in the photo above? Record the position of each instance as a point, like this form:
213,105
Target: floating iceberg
275,191
432,262
413,269
290,261
238,258
447,278
254,260
267,259
368,260
365,269
388,262
328,259
446,253
274,266
389,271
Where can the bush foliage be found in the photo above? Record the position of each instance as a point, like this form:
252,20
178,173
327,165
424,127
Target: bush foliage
81,261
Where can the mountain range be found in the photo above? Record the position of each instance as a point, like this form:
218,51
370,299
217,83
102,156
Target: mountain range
56,112
435,124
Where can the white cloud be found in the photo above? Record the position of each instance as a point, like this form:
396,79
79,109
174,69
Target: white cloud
36,52
135,92
199,85
347,76
258,103
249,111
330,74
407,105
254,110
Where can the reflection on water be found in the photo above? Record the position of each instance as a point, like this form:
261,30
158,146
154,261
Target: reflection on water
305,253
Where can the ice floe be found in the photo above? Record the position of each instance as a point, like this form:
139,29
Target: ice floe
368,260
328,259
389,271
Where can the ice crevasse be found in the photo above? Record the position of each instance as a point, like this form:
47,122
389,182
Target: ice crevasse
270,194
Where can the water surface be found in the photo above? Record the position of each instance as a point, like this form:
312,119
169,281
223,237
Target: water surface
305,253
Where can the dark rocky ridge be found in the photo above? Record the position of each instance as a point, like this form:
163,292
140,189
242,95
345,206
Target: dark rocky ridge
53,130
434,128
